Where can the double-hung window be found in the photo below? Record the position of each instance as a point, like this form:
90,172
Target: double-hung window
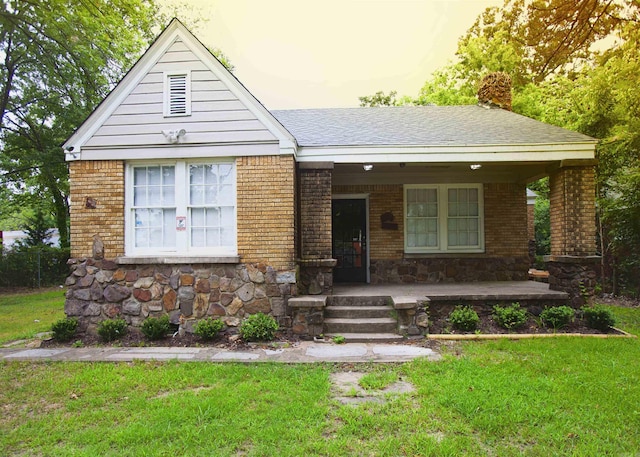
181,208
443,218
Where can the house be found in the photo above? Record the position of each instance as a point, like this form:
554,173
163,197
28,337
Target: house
189,197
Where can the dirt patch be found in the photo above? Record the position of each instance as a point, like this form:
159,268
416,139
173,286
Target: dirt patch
347,390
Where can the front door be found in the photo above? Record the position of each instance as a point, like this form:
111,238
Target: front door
350,239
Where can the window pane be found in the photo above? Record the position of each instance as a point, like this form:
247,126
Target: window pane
453,209
139,196
196,174
226,195
213,237
196,195
211,174
225,174
227,236
154,176
169,228
197,217
168,195
432,239
473,209
211,195
198,237
411,240
142,237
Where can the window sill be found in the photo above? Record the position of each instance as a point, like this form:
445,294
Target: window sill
433,255
172,260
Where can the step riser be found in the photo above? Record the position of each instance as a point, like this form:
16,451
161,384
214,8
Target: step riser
368,337
357,301
355,327
354,312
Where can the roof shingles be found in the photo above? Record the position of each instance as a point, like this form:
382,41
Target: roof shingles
420,126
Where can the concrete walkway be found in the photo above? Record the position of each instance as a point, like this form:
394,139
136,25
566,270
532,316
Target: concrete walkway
302,352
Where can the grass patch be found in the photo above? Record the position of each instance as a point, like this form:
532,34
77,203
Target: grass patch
562,397
378,379
21,311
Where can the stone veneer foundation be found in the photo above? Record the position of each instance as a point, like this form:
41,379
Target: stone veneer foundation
449,269
105,289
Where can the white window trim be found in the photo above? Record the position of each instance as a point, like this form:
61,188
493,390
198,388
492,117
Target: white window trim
166,94
443,208
183,241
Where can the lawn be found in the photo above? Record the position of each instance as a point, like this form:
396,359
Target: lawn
25,314
563,397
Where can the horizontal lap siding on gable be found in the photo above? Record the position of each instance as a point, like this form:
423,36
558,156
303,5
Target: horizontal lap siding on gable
217,116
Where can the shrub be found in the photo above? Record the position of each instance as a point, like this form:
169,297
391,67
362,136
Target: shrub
557,316
509,317
599,317
339,339
112,329
155,328
208,328
64,329
258,327
464,318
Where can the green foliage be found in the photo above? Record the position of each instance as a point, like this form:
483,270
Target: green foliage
155,328
464,318
258,327
599,317
64,329
112,329
557,316
339,339
378,379
379,99
60,58
23,266
208,328
510,317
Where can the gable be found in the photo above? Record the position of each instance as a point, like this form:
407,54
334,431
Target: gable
133,122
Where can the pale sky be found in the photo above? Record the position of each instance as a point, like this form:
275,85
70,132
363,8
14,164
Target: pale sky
320,54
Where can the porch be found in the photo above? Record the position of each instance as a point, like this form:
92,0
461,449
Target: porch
386,312
460,291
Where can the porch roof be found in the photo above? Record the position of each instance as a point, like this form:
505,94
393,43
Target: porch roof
430,126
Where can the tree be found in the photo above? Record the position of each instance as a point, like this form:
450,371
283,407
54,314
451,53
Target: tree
60,58
379,99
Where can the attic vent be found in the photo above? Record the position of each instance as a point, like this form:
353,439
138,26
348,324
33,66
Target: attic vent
177,95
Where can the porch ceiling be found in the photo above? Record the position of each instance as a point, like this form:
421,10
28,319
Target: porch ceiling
429,173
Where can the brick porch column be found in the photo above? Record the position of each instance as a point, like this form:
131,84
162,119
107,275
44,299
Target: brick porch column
316,262
573,261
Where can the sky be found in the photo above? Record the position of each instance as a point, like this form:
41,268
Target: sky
326,54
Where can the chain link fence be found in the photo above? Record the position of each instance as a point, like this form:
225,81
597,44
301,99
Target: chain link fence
33,267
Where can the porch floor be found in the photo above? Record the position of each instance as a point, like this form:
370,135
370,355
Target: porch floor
498,290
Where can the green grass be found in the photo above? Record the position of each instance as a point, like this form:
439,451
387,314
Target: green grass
19,313
562,397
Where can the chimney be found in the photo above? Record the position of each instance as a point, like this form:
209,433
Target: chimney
495,91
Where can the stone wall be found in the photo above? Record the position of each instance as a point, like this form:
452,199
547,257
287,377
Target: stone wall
575,275
449,269
104,289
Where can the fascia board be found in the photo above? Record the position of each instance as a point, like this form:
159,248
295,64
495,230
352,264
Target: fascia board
436,154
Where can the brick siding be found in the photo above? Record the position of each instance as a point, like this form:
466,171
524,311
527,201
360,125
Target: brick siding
505,220
315,213
266,210
102,181
573,211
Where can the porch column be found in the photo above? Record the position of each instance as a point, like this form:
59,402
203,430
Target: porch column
316,262
573,261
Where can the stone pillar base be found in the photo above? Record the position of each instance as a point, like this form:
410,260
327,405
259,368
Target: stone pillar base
575,275
316,276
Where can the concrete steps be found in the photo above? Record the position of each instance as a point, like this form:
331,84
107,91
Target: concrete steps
369,337
361,319
357,312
